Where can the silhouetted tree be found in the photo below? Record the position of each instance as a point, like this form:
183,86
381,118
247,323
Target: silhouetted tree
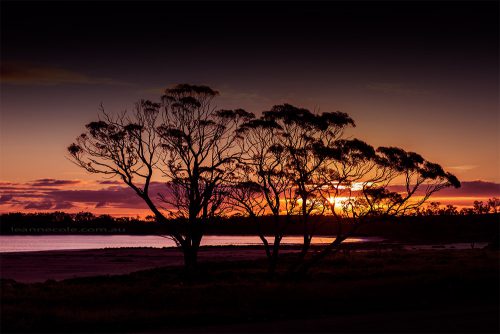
185,138
150,218
264,182
84,217
304,136
61,217
466,211
433,209
451,210
349,166
373,199
494,204
200,152
104,219
480,207
246,198
124,146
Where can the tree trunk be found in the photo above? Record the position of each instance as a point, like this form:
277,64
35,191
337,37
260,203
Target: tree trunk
262,238
307,235
190,260
192,245
266,246
332,248
273,259
305,245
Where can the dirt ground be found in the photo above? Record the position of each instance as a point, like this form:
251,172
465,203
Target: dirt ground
30,267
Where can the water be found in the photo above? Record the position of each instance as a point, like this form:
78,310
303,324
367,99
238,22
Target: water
30,243
455,245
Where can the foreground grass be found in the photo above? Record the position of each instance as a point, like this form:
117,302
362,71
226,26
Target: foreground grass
224,295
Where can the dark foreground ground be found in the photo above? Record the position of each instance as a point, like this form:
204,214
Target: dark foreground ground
376,291
31,267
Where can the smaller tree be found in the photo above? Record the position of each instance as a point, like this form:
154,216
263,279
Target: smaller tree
373,198
451,210
246,198
433,209
265,186
84,217
494,204
481,208
304,135
466,211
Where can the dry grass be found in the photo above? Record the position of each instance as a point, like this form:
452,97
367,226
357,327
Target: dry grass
241,292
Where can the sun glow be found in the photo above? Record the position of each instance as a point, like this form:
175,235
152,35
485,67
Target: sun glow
337,201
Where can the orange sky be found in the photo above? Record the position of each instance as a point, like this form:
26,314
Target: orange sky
110,197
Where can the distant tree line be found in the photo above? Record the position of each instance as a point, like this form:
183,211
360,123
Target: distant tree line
287,163
435,226
492,205
63,217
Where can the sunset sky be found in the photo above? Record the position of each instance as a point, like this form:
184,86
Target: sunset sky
422,76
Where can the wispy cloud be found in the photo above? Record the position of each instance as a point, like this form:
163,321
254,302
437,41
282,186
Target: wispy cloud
54,194
25,196
235,95
5,198
395,88
463,167
467,189
42,205
16,73
111,182
53,182
159,91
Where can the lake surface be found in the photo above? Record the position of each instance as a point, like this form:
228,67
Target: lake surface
30,243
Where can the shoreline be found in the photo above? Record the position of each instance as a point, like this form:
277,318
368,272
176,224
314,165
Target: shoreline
40,266
393,291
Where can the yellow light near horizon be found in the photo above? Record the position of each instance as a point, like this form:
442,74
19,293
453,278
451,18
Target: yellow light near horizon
337,201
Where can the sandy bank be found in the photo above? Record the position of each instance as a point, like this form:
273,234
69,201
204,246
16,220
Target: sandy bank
58,265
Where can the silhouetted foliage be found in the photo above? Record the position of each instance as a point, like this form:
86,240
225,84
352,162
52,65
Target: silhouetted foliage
362,189
300,160
290,162
306,137
199,145
185,139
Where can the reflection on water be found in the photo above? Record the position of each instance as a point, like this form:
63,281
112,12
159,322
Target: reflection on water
31,243
457,245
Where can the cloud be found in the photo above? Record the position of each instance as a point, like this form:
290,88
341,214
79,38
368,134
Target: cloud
54,195
5,198
113,196
63,206
53,182
109,182
394,88
43,205
16,73
467,189
158,91
474,188
464,167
